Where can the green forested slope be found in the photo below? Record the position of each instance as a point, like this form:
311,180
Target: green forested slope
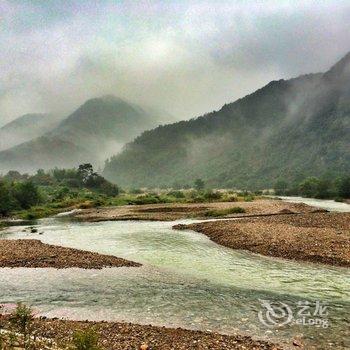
288,129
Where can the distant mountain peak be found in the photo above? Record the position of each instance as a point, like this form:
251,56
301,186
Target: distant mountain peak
93,132
105,99
341,69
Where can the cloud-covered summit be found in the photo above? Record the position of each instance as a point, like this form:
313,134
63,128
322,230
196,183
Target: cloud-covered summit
186,57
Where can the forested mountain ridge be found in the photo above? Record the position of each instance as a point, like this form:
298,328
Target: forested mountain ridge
92,133
287,129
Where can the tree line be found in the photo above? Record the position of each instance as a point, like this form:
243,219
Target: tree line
314,187
22,191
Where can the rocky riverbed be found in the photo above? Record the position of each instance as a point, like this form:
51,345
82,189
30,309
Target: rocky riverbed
34,253
176,211
127,336
316,237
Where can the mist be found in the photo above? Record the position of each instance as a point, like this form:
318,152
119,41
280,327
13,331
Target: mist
186,58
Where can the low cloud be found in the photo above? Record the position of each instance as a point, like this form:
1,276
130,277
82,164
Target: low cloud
187,58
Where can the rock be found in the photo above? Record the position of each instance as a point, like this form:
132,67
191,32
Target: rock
320,210
286,211
297,342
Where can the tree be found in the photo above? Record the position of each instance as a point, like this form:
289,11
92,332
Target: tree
85,171
22,319
343,187
41,178
5,199
280,187
26,194
14,175
323,189
199,184
309,187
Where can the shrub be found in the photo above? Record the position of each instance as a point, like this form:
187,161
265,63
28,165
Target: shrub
223,212
249,198
343,187
135,191
85,340
146,199
232,199
210,195
199,184
21,320
176,194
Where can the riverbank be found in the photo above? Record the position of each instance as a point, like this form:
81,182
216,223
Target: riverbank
123,336
34,254
315,237
177,211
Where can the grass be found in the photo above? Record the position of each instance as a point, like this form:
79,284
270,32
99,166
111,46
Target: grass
21,333
85,340
224,212
85,199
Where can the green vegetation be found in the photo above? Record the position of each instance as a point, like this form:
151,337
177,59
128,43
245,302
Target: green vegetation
22,330
314,187
21,319
85,340
224,212
289,129
199,184
46,193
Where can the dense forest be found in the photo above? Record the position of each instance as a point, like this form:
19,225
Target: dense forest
289,129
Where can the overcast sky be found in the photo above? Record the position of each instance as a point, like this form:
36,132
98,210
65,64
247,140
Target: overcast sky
185,57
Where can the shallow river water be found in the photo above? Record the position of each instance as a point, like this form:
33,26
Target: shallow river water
186,280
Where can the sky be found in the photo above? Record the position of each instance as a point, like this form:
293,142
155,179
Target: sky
183,57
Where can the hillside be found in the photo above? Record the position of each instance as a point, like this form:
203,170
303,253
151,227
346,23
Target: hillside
92,133
25,128
288,129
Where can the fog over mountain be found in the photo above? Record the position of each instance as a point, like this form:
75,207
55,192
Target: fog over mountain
184,57
95,131
25,128
289,129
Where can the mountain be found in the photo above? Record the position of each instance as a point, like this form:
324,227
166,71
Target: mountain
92,133
288,129
25,128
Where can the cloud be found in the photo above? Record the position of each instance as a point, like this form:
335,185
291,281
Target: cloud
186,57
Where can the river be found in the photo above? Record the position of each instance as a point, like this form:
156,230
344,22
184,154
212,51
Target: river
186,280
